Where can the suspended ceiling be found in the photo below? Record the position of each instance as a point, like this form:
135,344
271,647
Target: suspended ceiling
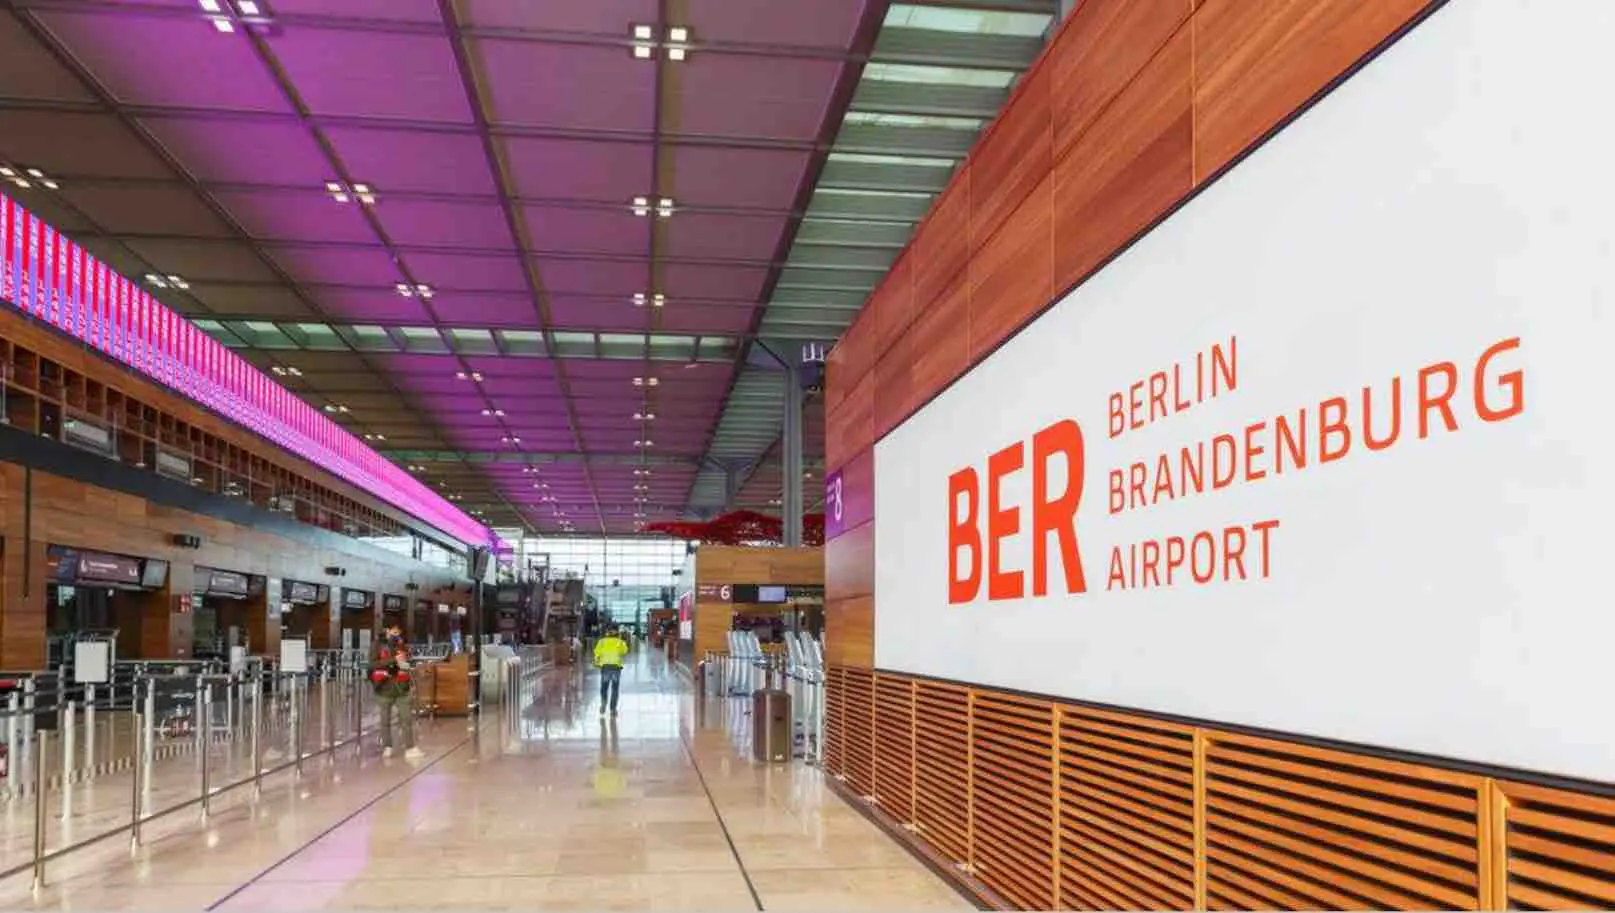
495,237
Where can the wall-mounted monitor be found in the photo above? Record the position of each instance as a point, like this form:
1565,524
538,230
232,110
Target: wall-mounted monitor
154,574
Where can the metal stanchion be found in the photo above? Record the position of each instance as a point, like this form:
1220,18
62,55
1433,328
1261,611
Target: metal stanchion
89,731
148,742
68,722
138,774
357,689
204,699
297,724
257,749
40,798
327,716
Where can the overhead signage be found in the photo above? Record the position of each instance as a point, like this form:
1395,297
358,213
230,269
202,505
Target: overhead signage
95,567
393,603
227,583
834,506
1321,453
305,593
715,592
355,599
53,280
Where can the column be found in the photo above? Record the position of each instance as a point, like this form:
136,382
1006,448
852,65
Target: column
791,457
168,615
263,620
324,621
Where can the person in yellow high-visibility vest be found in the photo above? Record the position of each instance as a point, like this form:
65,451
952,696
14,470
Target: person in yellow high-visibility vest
609,653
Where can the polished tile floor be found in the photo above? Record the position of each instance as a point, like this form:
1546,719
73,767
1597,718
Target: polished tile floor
657,809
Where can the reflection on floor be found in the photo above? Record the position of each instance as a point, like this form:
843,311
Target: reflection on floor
655,809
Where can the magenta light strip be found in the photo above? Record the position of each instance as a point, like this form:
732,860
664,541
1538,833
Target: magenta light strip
49,277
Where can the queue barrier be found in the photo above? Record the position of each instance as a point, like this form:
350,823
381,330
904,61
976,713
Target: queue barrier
746,668
237,729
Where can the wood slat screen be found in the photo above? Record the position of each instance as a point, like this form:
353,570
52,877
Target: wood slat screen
894,747
858,714
1046,805
1126,812
942,767
1013,777
1295,827
835,719
1560,849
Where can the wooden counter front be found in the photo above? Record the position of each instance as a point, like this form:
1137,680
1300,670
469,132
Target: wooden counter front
445,687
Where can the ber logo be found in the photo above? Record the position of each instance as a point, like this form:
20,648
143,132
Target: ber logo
973,529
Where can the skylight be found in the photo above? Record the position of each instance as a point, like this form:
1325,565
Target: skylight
940,76
968,21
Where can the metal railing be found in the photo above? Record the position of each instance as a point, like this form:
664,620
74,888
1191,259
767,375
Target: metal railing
746,668
184,733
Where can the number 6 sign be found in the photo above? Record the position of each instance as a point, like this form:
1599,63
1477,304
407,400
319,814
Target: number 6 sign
833,511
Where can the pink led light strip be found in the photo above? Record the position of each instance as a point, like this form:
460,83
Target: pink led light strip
51,278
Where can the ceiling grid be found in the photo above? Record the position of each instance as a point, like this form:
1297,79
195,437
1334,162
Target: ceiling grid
477,323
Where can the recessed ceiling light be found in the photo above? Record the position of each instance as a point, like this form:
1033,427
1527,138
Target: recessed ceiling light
644,416
169,281
646,382
342,193
664,207
678,33
424,292
641,206
224,25
642,472
500,413
26,178
657,300
645,443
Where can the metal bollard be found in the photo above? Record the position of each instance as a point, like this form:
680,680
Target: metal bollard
30,696
89,731
326,713
40,781
138,773
148,740
205,731
297,725
68,722
358,717
257,738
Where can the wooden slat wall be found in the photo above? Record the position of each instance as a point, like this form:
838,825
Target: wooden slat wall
1049,805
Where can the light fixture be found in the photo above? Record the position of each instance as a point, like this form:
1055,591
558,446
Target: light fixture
287,371
642,472
644,416
343,193
642,206
510,440
423,292
656,300
375,437
169,281
677,43
645,443
644,45
641,487
223,13
499,413
27,177
646,382
776,501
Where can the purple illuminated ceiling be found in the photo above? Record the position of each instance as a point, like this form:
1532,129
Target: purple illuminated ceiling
504,144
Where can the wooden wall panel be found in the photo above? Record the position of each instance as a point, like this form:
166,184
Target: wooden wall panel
726,564
894,387
1129,167
849,563
942,769
858,490
850,428
941,245
894,747
1011,158
1050,805
1011,277
849,632
891,308
1257,61
1098,52
941,350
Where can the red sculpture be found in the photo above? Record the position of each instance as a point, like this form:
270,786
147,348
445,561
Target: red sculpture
742,527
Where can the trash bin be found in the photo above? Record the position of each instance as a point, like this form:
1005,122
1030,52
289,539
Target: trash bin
771,725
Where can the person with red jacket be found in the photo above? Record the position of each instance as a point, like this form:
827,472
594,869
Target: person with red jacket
389,674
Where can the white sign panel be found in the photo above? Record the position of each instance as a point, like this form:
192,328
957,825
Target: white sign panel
293,655
1329,451
92,662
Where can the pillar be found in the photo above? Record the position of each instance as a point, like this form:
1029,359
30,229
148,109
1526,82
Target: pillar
791,458
167,616
325,621
263,620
